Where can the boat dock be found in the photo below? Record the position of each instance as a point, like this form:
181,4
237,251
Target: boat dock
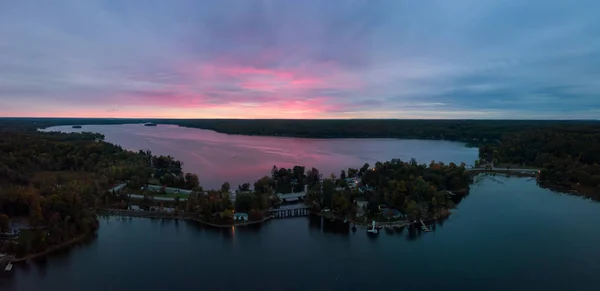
6,262
425,228
290,211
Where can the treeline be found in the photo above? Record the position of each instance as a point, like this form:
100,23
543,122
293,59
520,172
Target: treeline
471,131
565,157
50,182
464,130
414,189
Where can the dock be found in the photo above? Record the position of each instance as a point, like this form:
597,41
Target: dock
290,211
5,261
425,228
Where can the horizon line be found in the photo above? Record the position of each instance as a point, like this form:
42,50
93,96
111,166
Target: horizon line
322,119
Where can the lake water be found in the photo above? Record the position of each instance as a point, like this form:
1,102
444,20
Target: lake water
511,235
217,157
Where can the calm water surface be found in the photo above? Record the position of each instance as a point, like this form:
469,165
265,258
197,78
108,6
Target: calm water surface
511,236
217,157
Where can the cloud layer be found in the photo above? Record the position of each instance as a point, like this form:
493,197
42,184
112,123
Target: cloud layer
300,59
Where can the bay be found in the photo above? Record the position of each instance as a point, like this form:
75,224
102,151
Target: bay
217,157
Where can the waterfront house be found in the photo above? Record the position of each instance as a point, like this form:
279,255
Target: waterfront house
117,188
240,216
169,190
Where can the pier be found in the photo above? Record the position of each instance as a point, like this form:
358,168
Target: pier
508,171
424,227
290,211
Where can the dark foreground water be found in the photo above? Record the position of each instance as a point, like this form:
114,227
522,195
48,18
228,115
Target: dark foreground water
217,157
511,236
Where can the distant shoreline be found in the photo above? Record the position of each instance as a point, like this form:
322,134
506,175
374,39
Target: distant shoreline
470,131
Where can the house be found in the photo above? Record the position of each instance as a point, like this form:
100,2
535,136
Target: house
169,190
240,216
117,188
352,182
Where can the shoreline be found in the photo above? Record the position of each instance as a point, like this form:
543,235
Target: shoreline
398,223
231,225
81,237
150,214
51,249
571,189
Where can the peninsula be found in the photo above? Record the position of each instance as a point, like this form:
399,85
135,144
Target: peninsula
53,184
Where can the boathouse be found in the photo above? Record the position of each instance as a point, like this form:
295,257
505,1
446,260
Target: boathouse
240,216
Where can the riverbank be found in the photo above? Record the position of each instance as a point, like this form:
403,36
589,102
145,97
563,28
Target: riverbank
573,189
52,249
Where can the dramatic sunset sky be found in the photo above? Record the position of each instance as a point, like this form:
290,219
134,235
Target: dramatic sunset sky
300,58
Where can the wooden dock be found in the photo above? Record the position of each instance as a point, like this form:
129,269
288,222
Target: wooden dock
425,228
290,211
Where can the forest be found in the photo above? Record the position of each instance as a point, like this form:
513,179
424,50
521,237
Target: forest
474,132
569,158
414,189
51,182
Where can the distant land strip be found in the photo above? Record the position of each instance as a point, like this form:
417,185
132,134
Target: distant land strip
475,132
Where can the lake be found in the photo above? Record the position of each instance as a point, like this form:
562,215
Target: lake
508,234
217,157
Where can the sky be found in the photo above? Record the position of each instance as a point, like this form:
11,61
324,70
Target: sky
458,59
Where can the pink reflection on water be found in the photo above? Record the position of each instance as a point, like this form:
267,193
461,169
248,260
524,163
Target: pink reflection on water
217,157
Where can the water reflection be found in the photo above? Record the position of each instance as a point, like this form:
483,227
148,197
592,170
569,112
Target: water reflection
248,155
252,228
335,227
315,223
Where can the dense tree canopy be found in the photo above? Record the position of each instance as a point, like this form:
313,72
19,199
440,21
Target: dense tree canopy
49,181
565,157
415,189
472,131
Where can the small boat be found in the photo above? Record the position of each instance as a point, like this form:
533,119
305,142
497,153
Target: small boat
149,124
373,228
76,126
